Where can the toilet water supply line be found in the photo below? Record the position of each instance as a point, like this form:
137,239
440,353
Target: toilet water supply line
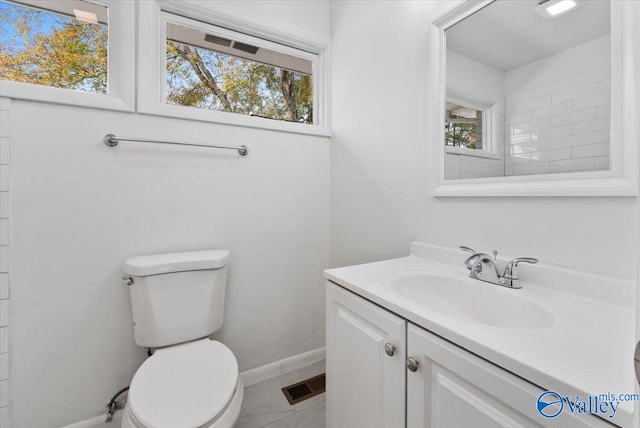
113,406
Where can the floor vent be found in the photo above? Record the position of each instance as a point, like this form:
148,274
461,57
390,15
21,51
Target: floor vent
306,389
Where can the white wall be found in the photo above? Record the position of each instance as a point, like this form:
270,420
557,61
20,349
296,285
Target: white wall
379,163
481,82
308,19
558,112
5,162
82,208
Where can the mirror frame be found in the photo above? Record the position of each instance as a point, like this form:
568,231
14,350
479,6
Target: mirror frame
620,180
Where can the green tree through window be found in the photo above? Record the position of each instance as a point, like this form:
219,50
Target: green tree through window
212,80
52,49
463,131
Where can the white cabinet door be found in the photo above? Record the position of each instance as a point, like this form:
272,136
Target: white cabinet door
365,385
453,388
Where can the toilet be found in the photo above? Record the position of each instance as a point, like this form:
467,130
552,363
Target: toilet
190,381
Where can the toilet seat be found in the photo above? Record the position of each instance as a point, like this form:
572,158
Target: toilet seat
188,385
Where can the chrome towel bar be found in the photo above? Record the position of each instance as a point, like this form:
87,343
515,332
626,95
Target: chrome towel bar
112,141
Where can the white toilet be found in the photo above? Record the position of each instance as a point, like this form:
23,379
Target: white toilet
190,381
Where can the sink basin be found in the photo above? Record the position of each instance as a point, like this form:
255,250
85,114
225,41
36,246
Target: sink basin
474,301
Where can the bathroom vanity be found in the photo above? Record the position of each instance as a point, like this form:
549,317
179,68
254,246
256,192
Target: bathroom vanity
414,342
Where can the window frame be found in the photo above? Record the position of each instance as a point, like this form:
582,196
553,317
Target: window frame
120,69
155,15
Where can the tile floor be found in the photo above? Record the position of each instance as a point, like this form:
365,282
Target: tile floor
264,404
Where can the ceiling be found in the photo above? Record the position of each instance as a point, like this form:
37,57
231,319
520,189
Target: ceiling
509,33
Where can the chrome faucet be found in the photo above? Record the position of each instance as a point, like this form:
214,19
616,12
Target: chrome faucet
485,268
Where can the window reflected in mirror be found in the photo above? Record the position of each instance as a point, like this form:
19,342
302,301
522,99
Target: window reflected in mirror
463,127
545,79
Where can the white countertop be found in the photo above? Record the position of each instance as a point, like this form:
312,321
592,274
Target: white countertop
588,350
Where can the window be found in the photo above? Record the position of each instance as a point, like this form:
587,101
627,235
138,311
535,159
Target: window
231,72
62,44
199,64
65,52
463,127
472,127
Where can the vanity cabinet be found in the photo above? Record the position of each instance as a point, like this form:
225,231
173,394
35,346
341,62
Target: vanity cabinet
365,380
371,381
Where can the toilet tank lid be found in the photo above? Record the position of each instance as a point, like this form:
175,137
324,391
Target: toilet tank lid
176,262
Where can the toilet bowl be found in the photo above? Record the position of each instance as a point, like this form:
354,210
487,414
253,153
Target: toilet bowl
188,386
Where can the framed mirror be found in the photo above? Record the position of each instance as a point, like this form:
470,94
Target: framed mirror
535,98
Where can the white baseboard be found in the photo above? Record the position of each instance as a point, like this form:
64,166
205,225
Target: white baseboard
99,422
278,368
249,377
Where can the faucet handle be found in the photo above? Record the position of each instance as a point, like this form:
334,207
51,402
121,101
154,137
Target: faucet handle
467,249
472,259
524,260
510,271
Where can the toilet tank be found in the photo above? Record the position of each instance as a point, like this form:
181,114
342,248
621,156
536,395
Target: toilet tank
177,297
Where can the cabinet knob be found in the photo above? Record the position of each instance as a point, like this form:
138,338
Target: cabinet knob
412,364
389,349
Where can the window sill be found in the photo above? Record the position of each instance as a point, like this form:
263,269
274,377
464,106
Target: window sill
471,152
231,119
47,94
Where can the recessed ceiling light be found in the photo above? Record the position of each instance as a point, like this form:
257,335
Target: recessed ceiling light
83,15
554,8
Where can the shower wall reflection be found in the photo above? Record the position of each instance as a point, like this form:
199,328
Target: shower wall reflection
543,88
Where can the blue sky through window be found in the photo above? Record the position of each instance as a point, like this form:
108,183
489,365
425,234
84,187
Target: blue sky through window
12,15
